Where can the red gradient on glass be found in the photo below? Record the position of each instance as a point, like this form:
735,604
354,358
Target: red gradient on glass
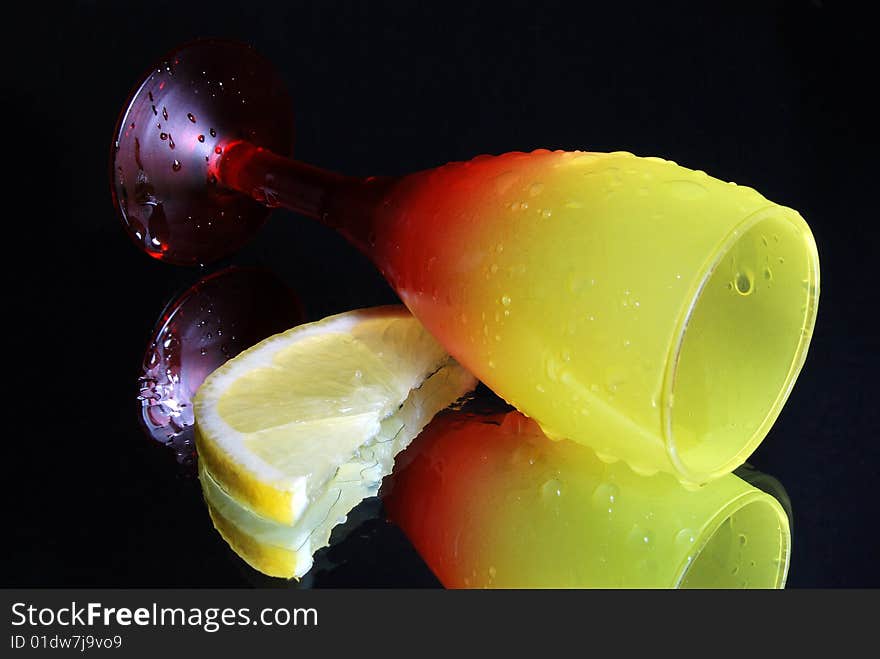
173,128
438,475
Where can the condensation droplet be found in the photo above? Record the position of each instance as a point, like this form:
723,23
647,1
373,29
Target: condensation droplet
605,495
743,283
685,537
551,489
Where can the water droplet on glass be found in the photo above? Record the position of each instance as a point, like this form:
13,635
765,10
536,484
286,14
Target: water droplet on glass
743,283
505,300
191,117
201,138
213,132
605,495
175,165
685,537
551,489
641,537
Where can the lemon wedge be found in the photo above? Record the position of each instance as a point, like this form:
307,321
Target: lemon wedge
297,430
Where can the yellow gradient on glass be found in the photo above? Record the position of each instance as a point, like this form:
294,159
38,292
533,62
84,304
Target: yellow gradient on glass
602,295
741,348
491,502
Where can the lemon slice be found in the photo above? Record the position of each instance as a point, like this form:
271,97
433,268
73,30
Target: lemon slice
294,432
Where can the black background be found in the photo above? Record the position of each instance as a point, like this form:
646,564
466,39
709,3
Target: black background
771,95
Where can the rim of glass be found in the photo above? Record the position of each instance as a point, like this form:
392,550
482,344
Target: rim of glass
685,472
708,531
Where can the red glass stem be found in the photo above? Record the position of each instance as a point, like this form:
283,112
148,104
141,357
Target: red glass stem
341,202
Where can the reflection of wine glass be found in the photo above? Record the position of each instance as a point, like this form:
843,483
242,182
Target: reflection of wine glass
647,309
209,323
489,501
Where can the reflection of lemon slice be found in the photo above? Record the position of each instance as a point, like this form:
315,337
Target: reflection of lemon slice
297,430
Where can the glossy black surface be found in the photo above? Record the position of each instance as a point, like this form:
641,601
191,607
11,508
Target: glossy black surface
772,95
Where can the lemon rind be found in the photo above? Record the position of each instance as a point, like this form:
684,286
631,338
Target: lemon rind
286,550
